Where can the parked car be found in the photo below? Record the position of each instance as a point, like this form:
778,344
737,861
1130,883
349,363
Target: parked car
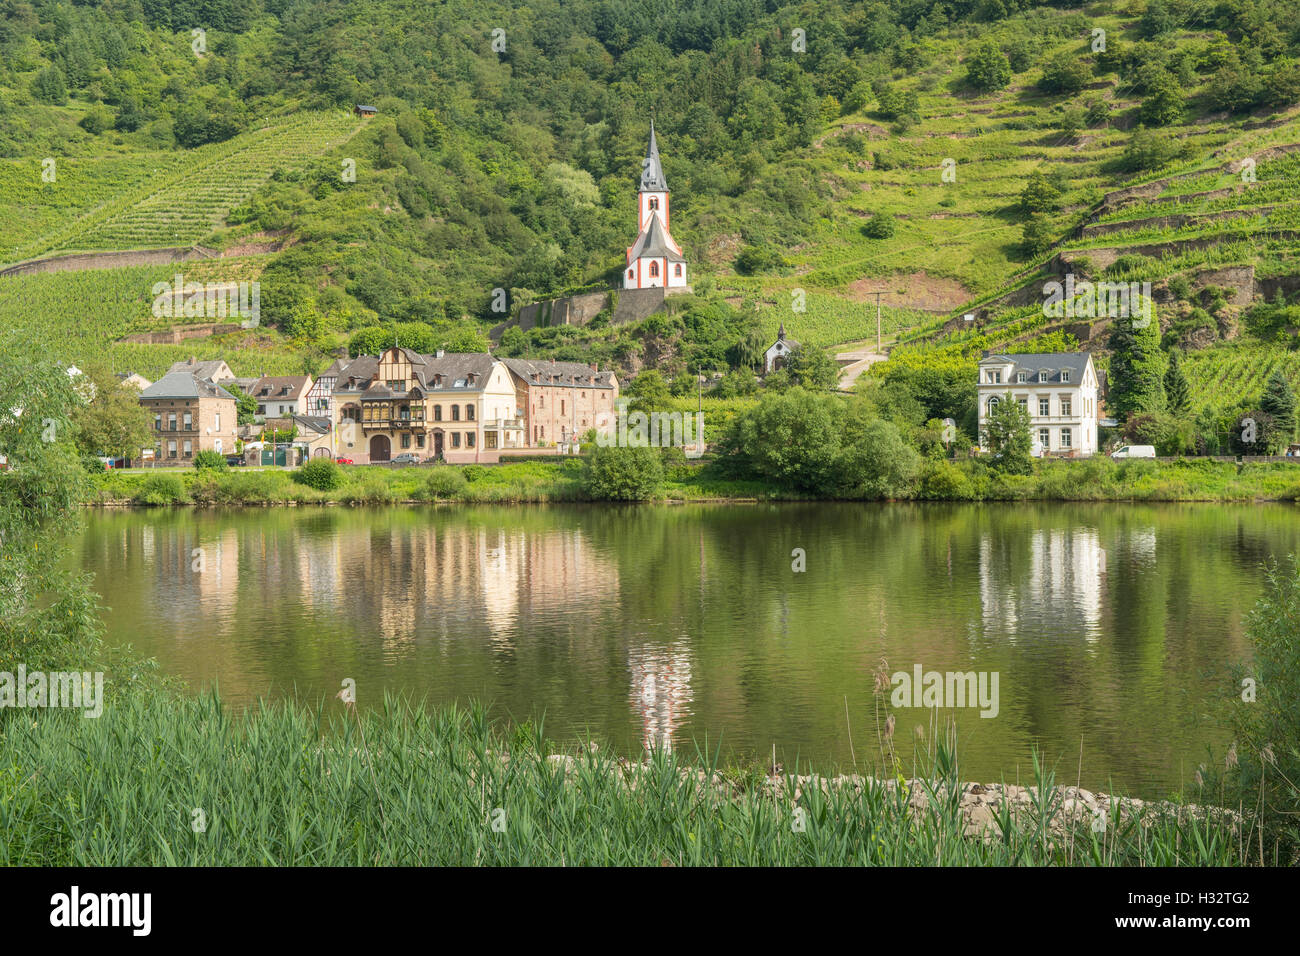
406,458
344,461
1134,451
236,460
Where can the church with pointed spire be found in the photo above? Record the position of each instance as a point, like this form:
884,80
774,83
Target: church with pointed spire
654,260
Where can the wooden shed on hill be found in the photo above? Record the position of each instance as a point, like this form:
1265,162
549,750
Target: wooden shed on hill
364,111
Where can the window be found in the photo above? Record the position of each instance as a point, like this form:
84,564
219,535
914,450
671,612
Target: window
1044,407
396,384
469,413
455,413
171,448
1065,375
187,422
654,270
216,422
491,439
630,274
171,421
157,421
561,406
993,404
406,439
216,445
261,409
1023,403
995,378
419,441
1022,377
469,440
1042,376
677,270
1045,438
654,202
455,439
1065,438
187,448
1066,405
437,413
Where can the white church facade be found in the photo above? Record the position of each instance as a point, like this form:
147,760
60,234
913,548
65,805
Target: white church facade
654,260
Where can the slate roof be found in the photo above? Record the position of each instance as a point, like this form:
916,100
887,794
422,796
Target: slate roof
1035,362
184,385
653,244
652,172
273,386
571,374
203,370
313,422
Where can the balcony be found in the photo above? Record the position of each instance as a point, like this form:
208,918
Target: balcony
503,424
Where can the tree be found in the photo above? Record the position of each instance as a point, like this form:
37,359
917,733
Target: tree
1064,74
648,392
49,617
1136,366
1177,393
49,86
623,474
813,369
793,439
1039,195
113,422
1007,436
875,462
245,405
1278,401
1163,105
1147,150
988,68
1036,236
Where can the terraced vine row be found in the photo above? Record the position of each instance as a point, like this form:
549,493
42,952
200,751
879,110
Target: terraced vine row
183,203
1222,377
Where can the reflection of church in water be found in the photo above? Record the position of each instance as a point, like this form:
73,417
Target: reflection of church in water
1046,583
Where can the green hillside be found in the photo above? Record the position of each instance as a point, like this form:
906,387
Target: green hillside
950,156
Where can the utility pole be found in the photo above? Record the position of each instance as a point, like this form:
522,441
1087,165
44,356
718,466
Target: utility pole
877,295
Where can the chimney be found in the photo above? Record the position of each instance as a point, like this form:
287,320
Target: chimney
595,367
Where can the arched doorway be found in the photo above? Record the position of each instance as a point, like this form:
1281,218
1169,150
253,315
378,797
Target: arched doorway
380,448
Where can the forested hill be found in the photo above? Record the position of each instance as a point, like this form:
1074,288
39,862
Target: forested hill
807,145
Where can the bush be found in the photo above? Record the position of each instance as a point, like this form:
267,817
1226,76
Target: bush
474,472
623,474
158,490
879,226
210,460
944,481
447,481
323,474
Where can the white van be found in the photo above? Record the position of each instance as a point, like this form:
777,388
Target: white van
1135,451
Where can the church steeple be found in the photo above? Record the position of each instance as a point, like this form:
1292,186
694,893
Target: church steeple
652,170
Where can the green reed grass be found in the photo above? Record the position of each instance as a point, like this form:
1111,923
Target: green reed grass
287,784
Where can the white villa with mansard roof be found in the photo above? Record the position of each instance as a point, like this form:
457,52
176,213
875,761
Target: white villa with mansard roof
1060,390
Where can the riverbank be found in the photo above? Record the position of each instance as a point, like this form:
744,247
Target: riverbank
180,781
1097,479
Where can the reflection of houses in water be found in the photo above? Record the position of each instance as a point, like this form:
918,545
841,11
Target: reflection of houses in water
661,692
219,578
1054,589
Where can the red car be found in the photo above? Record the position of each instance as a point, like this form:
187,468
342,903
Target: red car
344,461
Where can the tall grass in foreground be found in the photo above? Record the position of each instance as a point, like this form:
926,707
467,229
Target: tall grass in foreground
285,784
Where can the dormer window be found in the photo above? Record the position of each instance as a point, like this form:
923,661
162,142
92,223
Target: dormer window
1065,375
1042,376
995,378
1022,377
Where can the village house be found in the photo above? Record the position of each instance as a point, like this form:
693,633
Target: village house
457,406
281,396
1060,390
560,400
190,415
